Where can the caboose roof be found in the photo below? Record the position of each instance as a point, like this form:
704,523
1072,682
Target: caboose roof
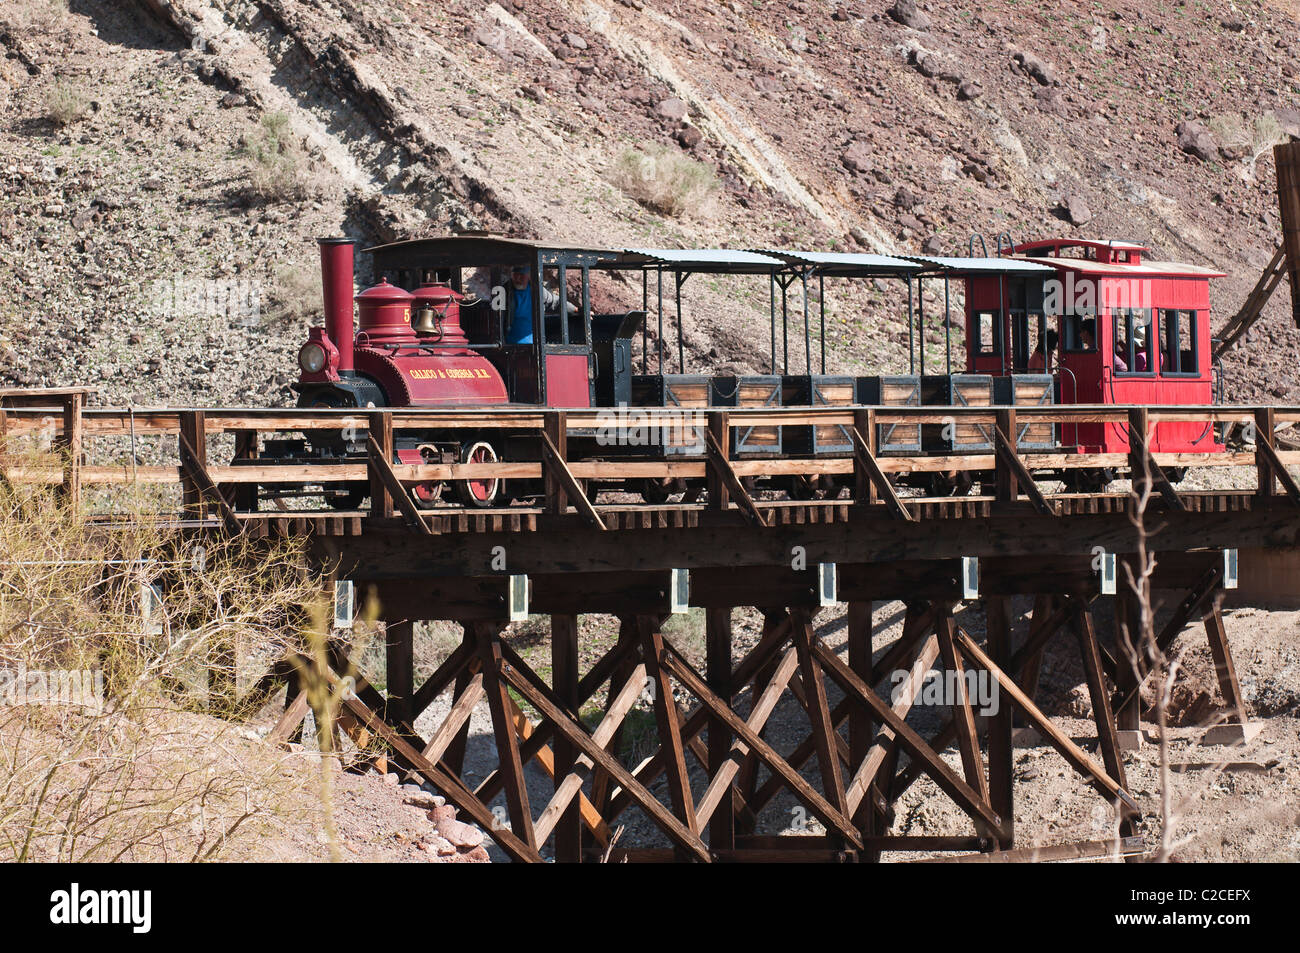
1148,269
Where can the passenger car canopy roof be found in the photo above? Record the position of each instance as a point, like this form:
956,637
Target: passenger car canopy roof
715,260
963,267
845,264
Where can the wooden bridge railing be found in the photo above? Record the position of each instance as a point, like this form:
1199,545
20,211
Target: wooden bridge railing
75,431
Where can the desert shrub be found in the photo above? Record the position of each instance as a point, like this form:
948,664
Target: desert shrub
295,294
276,165
66,104
663,179
118,645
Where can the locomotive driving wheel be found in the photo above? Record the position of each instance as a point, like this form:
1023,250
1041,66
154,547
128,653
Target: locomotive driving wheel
480,493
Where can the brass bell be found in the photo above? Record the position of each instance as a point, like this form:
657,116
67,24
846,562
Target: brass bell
426,321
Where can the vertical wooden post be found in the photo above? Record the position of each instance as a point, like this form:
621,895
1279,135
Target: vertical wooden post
717,622
1128,671
70,446
1224,667
864,490
819,713
556,426
860,723
719,497
1001,753
1139,422
1008,488
564,680
194,430
454,757
1265,420
246,448
399,638
381,428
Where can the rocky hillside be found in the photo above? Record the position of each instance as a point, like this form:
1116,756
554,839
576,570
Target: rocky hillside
166,164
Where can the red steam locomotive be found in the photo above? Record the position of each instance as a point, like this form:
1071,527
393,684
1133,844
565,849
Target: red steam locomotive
483,321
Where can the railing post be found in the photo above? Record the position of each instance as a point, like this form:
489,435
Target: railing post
246,448
1139,422
864,489
1264,423
381,428
1008,488
719,497
557,430
194,431
70,446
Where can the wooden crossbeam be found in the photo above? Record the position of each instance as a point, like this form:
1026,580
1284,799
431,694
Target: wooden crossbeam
571,785
725,772
460,712
1141,462
968,742
1102,716
682,671
433,685
1192,604
867,460
1024,480
1121,847
450,786
380,466
669,728
962,794
198,474
1100,779
294,713
560,471
1278,468
907,695
721,466
565,725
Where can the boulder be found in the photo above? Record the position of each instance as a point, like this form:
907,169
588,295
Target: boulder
460,835
906,13
1196,139
1076,210
1040,70
672,109
857,158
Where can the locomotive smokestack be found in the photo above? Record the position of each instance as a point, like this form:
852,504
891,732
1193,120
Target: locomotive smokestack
336,281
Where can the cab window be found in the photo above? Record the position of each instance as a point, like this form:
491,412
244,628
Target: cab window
1134,349
1181,355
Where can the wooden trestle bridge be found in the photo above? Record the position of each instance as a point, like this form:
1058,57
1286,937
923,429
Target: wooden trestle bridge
727,548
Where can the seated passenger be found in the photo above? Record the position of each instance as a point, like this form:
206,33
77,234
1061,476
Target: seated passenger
1044,363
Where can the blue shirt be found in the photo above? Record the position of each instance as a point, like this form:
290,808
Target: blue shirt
521,316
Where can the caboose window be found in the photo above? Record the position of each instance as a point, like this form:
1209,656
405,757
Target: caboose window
1181,355
1134,348
988,333
1080,333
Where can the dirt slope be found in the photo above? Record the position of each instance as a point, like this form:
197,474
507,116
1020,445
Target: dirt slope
823,124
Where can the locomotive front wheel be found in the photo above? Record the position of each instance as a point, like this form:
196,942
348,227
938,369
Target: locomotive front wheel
481,492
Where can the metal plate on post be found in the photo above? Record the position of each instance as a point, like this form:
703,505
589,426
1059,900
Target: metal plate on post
1229,569
827,585
344,603
970,577
151,611
679,591
517,598
1107,572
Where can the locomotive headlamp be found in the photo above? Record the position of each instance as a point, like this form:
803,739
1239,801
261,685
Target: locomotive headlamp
311,358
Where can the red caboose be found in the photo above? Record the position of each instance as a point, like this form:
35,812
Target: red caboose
1128,331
